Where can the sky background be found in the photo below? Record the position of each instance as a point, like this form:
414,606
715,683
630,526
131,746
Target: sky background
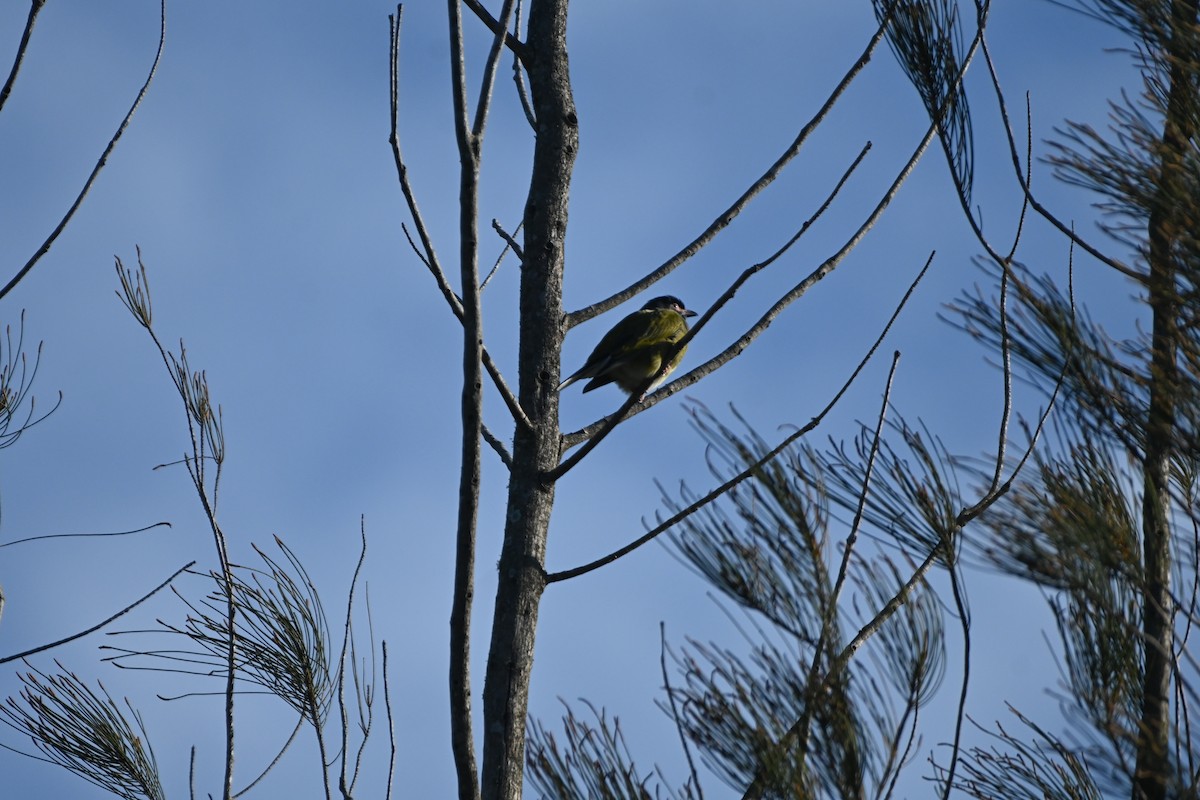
258,182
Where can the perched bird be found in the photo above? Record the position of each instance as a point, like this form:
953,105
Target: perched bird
632,352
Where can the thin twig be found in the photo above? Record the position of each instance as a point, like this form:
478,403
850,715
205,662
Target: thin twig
346,636
427,253
35,8
82,535
860,511
511,42
112,144
208,441
989,498
497,445
44,647
1005,342
365,696
387,702
488,81
518,74
964,614
1046,214
509,244
508,238
728,215
799,731
687,751
274,761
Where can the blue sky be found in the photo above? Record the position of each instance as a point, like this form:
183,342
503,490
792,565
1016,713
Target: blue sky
258,181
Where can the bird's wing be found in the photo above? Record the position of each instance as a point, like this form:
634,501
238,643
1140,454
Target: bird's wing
624,334
667,327
640,329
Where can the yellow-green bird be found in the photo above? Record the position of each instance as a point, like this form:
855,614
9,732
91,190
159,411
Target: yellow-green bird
633,351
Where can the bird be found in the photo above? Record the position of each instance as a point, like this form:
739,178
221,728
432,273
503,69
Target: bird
633,351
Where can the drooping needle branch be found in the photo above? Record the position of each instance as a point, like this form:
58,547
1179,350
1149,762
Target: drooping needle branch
206,432
829,623
757,788
943,551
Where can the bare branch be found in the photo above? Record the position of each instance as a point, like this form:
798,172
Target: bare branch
813,686
514,44
429,257
387,702
347,637
112,144
99,625
1045,213
726,217
683,741
518,74
497,445
509,244
489,74
470,145
83,535
35,7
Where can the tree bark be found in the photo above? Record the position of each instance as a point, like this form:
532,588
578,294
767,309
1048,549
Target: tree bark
1153,765
536,449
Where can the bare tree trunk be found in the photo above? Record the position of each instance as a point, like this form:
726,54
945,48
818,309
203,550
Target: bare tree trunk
1150,779
536,449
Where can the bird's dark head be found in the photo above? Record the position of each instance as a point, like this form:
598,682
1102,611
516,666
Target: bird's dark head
671,302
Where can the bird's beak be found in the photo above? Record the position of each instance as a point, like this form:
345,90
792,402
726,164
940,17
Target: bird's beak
687,312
